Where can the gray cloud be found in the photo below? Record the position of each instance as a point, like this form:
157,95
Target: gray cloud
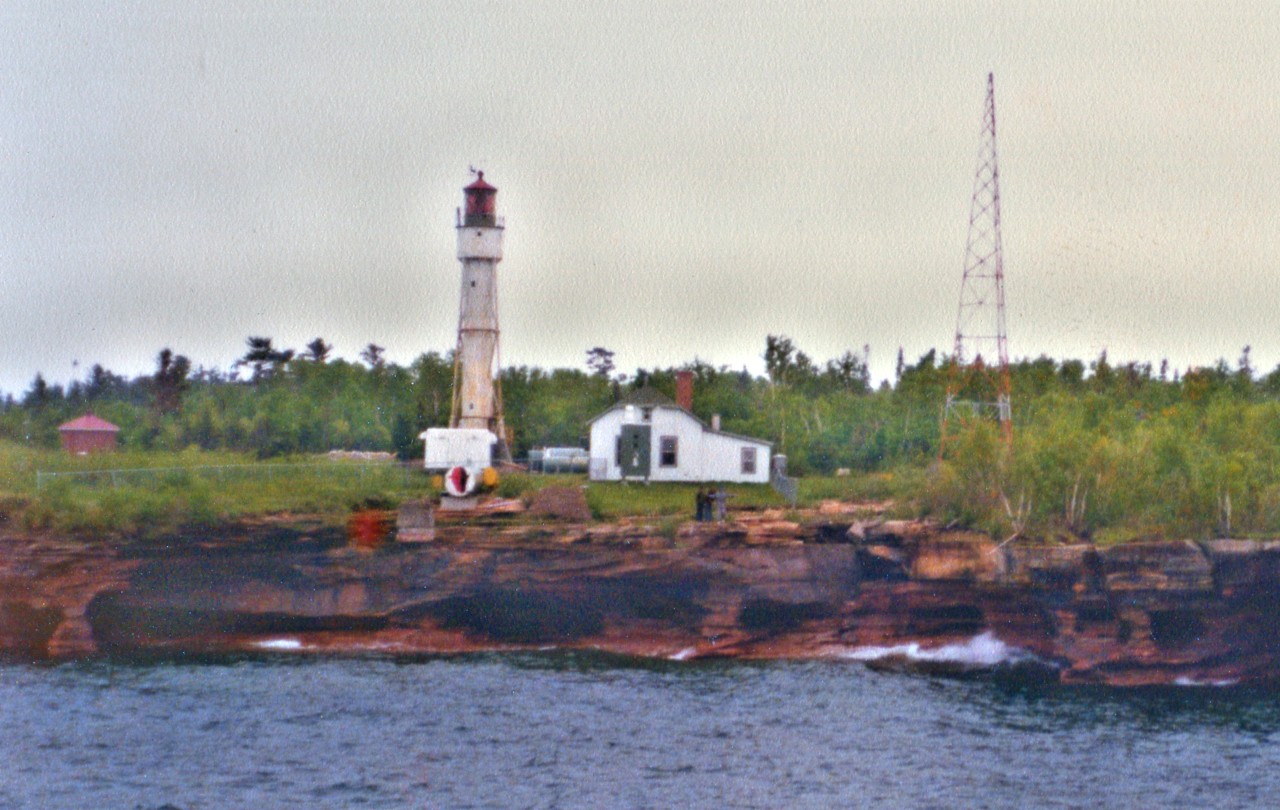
678,180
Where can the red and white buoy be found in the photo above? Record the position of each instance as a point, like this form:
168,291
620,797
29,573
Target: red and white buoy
459,482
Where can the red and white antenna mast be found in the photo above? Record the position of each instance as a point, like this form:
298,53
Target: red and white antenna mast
979,383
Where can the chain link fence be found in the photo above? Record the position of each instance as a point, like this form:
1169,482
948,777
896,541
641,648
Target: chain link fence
784,485
229,473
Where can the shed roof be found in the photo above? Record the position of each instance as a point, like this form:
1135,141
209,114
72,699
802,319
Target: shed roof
89,422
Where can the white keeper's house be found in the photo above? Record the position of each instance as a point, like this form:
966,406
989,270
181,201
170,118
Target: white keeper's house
647,437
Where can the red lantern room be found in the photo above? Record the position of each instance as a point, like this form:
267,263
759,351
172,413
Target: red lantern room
481,198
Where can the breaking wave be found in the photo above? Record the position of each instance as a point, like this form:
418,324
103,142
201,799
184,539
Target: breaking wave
1185,681
983,651
279,644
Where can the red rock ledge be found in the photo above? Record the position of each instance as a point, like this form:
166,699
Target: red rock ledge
1158,612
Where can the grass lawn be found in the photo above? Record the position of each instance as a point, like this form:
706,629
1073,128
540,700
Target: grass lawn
134,492
613,499
137,492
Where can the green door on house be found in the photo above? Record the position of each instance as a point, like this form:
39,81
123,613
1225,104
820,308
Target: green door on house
633,446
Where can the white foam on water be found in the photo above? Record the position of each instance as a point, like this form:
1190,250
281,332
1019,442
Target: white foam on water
1185,681
279,644
981,651
378,646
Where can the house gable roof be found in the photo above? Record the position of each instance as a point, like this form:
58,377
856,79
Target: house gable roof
91,423
647,397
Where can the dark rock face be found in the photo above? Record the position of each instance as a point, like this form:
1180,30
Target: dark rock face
26,629
1143,613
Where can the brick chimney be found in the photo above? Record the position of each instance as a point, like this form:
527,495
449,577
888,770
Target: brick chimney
684,390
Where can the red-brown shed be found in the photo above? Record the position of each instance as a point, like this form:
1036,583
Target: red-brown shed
88,434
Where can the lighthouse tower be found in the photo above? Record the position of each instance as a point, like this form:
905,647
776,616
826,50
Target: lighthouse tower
466,451
477,395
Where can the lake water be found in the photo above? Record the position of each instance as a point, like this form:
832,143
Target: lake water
570,730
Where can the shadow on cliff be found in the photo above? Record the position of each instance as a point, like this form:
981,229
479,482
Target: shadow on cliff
570,612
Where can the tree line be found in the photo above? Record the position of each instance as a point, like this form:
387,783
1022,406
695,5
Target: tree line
1097,445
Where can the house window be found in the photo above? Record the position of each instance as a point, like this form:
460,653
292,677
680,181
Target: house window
667,451
748,461
617,451
646,414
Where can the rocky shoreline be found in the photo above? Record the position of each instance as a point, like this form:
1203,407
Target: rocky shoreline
762,586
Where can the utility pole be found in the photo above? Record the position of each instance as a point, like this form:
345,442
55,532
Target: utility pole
978,383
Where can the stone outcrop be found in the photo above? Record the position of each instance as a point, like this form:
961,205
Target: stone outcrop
1149,612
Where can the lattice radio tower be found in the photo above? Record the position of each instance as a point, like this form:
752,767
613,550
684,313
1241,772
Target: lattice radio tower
978,384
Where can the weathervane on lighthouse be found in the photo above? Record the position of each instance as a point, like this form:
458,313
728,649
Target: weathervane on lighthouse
476,436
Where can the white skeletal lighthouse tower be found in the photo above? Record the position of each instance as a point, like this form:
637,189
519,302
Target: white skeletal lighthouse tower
477,395
465,451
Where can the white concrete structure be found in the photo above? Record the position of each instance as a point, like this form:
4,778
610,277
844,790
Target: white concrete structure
458,447
648,437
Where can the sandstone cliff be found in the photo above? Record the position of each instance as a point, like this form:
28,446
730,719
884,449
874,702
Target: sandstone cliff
1141,613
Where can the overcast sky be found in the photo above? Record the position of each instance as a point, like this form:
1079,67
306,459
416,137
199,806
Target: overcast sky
678,179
